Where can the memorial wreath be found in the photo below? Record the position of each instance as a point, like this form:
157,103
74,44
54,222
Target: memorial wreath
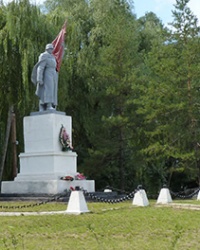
65,139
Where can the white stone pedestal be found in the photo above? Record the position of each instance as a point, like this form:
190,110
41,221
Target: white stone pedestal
77,203
43,163
164,196
140,198
198,196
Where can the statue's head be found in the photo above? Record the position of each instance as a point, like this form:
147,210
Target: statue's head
49,47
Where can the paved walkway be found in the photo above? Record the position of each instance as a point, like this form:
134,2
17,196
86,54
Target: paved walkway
180,206
31,213
75,212
174,205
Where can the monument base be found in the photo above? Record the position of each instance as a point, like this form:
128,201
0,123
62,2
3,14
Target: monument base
46,164
45,187
43,163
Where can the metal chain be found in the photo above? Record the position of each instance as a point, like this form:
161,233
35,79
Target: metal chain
95,197
55,198
102,199
185,196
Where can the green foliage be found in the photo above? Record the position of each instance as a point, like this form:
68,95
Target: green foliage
169,104
151,30
20,43
115,46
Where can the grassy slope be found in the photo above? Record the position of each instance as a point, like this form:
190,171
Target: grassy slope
109,226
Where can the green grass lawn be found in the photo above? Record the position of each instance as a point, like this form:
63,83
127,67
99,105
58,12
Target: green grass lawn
108,226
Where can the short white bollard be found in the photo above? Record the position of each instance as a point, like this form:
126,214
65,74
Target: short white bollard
164,196
107,190
140,198
198,196
77,204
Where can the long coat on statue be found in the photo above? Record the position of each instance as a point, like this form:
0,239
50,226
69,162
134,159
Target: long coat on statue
45,72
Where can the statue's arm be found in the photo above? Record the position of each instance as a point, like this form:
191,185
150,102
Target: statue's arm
40,70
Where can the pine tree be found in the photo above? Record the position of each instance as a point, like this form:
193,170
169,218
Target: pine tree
114,42
169,105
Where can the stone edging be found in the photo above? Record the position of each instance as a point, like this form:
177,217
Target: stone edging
180,206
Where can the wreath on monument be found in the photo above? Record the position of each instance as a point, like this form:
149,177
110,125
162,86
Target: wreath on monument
65,139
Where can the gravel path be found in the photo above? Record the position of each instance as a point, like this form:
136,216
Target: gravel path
180,206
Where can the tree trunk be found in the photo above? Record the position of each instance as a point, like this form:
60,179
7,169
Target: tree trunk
121,161
14,145
9,121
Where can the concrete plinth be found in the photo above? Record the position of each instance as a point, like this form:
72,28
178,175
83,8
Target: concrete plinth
55,163
41,132
140,198
198,196
77,203
164,196
45,186
43,163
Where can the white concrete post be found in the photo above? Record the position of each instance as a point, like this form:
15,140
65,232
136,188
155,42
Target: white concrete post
198,196
140,198
77,203
164,196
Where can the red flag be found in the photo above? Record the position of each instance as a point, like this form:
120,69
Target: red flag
58,44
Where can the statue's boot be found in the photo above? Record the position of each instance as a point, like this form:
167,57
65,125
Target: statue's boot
41,107
49,106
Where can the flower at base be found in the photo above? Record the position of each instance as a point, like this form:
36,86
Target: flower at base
80,176
67,178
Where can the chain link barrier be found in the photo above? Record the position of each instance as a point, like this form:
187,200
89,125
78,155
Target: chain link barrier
184,196
126,197
105,200
92,196
54,198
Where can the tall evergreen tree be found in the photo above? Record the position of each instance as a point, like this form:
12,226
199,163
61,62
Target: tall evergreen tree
169,105
150,29
114,42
